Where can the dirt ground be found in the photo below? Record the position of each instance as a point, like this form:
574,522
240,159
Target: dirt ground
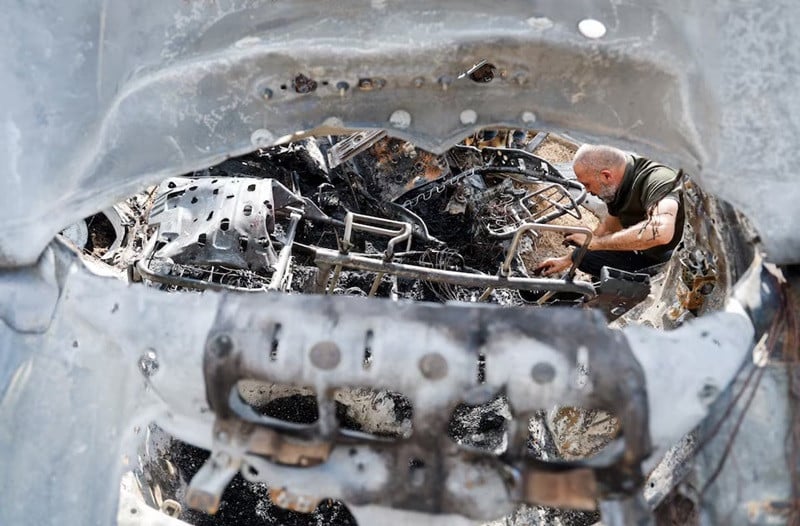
556,150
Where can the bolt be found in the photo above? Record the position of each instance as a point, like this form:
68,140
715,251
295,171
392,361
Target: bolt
468,117
433,366
543,373
266,93
325,355
368,84
445,82
342,86
148,363
221,346
400,119
528,117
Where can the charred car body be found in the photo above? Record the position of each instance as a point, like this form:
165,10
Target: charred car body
382,196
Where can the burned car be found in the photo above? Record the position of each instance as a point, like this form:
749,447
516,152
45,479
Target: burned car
261,263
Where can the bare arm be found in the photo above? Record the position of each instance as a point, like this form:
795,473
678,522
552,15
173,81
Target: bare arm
654,231
609,225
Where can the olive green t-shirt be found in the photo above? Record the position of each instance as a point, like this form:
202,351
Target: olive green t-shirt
644,184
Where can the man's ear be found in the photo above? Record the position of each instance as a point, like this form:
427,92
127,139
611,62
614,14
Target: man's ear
606,176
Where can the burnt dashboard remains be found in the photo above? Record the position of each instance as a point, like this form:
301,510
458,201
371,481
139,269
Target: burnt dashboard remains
367,215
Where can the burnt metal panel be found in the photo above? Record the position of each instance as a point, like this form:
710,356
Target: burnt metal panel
207,221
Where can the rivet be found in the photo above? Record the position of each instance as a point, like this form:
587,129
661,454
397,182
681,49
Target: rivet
266,93
400,119
528,117
342,86
433,366
325,355
591,28
468,117
419,82
445,82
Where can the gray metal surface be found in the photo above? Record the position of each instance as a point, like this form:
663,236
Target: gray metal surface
78,388
753,457
105,97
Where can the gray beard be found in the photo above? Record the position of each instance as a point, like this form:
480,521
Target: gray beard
607,194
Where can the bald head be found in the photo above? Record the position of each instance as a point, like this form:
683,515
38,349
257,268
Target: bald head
600,169
597,157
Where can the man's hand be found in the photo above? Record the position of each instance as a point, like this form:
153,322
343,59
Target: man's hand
552,266
575,239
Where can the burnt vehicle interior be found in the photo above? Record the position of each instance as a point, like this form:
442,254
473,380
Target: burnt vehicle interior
276,263
364,214
368,215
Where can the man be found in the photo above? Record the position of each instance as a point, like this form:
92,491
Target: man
645,219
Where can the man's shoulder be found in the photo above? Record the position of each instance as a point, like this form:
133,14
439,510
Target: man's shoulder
649,174
647,167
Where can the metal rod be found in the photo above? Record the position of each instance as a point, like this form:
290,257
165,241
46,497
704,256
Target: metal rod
399,231
335,280
405,235
536,141
285,254
332,257
375,284
180,281
321,281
